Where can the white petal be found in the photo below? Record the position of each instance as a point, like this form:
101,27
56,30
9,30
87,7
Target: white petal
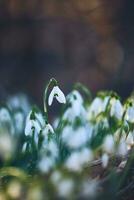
105,159
60,95
51,97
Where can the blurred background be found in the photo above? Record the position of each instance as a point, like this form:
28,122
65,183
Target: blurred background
90,41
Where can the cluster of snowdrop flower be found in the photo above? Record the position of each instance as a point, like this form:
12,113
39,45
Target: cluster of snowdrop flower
86,130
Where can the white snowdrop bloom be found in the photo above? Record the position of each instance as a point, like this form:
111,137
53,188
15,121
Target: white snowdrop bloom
65,188
86,155
66,133
130,140
105,159
4,115
46,164
24,147
56,122
89,188
108,144
30,125
130,114
7,146
116,108
76,108
56,176
52,148
19,101
73,162
47,129
75,138
6,122
95,108
74,111
58,94
40,118
19,121
75,96
122,148
77,160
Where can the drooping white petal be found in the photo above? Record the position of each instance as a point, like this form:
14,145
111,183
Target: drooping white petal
108,144
105,159
130,114
51,97
48,129
116,109
58,94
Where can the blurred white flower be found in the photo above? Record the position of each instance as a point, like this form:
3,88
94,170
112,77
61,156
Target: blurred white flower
56,176
97,106
32,124
122,148
40,118
47,129
19,101
89,188
7,146
108,144
105,159
65,188
129,116
130,140
77,160
58,94
19,119
6,122
46,164
75,138
5,115
116,108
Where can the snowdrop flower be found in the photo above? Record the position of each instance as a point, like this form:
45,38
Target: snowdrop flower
97,106
108,144
130,140
47,129
19,101
75,138
65,188
105,159
58,94
76,108
40,118
6,122
75,96
32,125
7,146
77,160
89,188
116,108
4,115
122,148
46,164
56,176
19,121
129,116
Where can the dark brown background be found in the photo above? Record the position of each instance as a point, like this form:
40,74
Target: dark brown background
91,41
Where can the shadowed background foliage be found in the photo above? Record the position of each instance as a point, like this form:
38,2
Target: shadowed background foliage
90,41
